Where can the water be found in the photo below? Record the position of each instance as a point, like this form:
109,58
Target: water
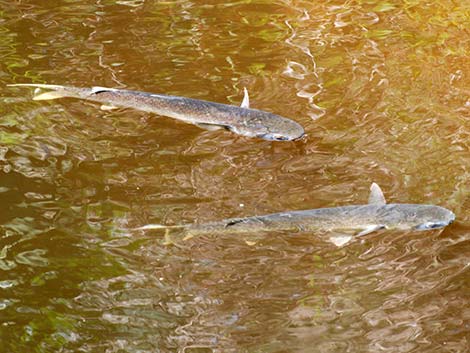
382,91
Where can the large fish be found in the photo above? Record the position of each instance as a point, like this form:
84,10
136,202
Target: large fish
209,115
342,222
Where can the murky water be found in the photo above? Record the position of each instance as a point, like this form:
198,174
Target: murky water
383,91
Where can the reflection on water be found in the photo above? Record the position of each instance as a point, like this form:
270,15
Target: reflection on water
382,90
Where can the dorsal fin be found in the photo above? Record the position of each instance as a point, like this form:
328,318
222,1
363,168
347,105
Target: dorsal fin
376,196
246,99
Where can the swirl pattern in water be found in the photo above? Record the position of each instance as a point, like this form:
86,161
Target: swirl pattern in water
381,89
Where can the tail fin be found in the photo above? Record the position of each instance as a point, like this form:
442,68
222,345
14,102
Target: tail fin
56,91
37,85
168,238
47,96
158,226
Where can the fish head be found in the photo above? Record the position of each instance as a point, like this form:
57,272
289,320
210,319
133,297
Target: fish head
285,130
275,136
416,217
268,126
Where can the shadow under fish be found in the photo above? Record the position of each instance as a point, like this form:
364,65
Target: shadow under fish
342,223
208,115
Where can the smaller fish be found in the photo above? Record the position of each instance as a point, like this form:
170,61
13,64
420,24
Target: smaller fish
341,221
241,120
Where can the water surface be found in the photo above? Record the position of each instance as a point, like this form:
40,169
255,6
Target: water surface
382,89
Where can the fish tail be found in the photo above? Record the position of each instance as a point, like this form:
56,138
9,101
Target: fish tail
57,91
158,226
179,231
47,96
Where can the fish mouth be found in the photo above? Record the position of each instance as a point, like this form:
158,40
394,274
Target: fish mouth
279,137
301,137
274,137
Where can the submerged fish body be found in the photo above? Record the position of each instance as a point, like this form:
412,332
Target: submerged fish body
358,219
351,218
241,120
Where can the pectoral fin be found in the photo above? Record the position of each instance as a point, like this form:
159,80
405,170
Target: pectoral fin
108,107
344,236
210,127
370,229
340,239
376,196
246,99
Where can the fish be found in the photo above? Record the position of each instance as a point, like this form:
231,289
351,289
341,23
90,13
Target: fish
241,120
343,222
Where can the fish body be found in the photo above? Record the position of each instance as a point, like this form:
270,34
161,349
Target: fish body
352,218
241,120
358,219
